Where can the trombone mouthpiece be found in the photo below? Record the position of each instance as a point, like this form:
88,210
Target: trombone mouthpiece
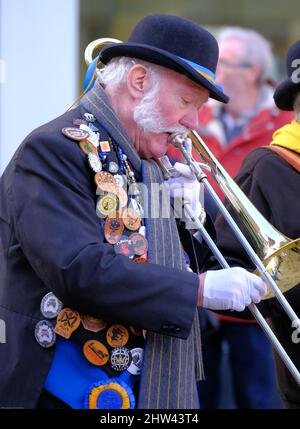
176,139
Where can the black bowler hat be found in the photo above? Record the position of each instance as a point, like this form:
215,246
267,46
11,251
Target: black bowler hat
286,91
175,43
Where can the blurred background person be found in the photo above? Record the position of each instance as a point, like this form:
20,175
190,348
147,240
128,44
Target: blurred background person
231,132
270,178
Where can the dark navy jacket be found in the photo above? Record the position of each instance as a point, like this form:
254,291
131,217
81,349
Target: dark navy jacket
50,240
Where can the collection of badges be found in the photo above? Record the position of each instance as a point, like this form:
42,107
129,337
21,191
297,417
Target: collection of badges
114,347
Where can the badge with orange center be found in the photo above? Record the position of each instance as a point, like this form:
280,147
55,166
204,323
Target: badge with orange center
139,242
87,147
104,146
92,323
67,322
131,219
113,228
117,336
105,181
96,352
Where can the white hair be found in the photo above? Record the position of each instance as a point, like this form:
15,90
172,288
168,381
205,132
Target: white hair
297,107
256,49
116,71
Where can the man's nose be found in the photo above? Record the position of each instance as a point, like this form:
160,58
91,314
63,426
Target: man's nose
191,120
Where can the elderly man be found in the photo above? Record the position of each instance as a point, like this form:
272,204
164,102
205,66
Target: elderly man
92,275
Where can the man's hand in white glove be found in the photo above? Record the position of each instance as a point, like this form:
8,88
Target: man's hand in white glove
230,289
184,189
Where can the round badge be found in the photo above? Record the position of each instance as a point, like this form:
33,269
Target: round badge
89,117
117,336
107,205
44,334
137,361
131,219
113,228
125,247
140,243
96,352
120,359
67,322
113,167
94,162
87,147
110,394
75,133
105,181
50,306
92,324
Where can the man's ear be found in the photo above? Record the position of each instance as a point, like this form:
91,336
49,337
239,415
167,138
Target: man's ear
138,81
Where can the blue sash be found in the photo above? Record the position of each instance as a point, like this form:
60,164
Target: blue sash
72,377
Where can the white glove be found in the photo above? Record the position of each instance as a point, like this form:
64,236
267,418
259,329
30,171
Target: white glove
184,189
232,289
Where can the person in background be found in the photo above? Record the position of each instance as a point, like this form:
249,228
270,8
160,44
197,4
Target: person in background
232,132
270,177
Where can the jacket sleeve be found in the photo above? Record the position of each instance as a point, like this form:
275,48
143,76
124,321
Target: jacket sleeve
53,200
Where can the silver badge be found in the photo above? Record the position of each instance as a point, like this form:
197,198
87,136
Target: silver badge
92,137
44,334
113,167
119,180
50,306
137,361
120,358
95,163
89,117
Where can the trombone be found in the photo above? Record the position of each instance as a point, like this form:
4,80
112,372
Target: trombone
280,255
276,255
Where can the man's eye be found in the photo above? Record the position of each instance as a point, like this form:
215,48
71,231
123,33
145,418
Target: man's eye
185,102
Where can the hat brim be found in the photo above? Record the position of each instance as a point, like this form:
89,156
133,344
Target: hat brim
162,58
285,93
